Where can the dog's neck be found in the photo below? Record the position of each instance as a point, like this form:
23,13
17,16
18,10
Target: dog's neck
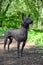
26,26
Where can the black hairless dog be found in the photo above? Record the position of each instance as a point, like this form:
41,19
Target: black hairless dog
20,35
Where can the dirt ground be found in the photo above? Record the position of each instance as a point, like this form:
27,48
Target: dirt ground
31,55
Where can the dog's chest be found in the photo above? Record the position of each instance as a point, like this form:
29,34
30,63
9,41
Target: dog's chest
22,35
19,35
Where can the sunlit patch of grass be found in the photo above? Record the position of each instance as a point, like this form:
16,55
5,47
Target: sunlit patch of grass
36,37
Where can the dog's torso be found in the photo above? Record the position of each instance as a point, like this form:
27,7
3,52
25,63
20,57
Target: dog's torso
18,34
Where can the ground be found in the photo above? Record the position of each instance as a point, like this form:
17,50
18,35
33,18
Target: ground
31,55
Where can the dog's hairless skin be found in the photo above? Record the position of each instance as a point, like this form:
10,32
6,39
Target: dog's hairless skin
20,35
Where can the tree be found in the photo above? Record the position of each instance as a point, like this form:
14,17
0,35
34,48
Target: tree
11,12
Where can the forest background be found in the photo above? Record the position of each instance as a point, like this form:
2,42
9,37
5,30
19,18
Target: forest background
10,18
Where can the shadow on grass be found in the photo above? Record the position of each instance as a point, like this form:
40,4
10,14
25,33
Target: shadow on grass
38,30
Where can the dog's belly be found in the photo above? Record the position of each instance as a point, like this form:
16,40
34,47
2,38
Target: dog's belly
20,37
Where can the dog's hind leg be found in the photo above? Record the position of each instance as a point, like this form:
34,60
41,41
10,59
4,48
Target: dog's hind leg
23,48
10,41
5,42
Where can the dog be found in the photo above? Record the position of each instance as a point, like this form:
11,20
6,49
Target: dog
20,35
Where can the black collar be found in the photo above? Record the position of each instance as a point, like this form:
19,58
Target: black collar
25,25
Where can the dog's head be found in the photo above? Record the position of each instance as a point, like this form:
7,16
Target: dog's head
26,20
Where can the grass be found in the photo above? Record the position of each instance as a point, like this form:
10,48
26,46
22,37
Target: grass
35,36
2,30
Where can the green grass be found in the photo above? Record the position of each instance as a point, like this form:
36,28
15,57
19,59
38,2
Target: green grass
2,30
35,36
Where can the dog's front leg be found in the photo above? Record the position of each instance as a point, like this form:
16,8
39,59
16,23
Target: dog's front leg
23,48
18,45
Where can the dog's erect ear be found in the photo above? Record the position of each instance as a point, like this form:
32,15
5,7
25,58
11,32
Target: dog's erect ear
29,15
23,16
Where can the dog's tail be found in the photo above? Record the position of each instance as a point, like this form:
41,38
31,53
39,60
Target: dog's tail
6,36
5,39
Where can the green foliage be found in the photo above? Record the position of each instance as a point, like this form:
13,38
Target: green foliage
2,30
11,10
